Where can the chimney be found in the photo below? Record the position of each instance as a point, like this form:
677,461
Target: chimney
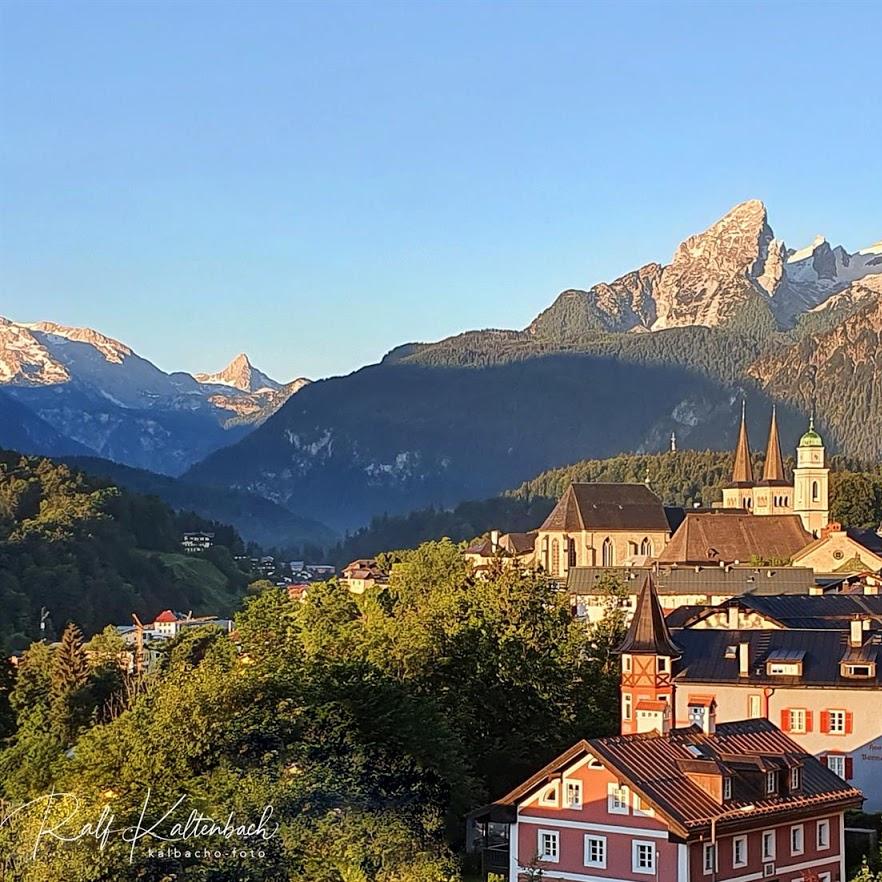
733,617
743,659
856,634
494,539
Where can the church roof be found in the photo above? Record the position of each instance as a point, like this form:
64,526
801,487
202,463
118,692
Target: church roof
742,473
723,537
648,631
811,437
598,506
773,471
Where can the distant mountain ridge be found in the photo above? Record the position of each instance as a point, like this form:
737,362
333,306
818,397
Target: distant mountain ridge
616,368
101,395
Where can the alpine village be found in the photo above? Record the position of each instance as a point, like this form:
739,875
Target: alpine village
264,615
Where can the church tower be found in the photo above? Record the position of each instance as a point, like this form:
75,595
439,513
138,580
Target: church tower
811,482
739,492
648,654
773,494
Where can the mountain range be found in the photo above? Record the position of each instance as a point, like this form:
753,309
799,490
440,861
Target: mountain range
665,348
103,398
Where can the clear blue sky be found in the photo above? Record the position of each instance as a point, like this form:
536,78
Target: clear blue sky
316,183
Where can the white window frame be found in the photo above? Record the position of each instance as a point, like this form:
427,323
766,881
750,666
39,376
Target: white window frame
838,758
736,841
825,877
839,715
822,843
757,702
799,830
768,837
710,851
617,799
601,840
663,664
540,846
641,809
797,714
727,787
555,800
576,785
771,783
795,778
636,846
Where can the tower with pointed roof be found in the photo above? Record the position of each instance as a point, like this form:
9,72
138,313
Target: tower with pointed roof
738,493
648,653
774,493
811,482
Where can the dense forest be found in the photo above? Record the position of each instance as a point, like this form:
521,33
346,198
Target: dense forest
371,724
85,550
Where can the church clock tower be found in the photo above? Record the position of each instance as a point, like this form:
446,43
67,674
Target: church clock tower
811,482
648,654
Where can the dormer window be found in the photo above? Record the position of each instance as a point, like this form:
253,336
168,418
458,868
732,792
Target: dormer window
795,778
848,669
727,788
785,663
771,782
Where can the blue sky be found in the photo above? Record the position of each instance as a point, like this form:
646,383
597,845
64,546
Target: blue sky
316,183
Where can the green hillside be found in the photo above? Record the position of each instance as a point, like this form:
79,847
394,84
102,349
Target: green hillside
89,552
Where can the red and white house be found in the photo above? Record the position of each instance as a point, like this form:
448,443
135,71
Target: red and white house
742,803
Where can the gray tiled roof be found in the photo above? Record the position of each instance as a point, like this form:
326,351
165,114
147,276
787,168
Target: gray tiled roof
702,580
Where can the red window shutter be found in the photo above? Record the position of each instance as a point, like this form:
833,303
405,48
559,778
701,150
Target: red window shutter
849,722
849,768
808,721
825,721
785,720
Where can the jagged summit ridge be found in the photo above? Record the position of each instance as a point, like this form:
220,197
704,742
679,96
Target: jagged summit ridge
714,278
242,375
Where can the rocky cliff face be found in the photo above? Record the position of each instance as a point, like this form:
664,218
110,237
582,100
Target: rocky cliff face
735,268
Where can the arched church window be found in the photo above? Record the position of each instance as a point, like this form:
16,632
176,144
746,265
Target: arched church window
555,557
608,552
646,547
816,491
572,553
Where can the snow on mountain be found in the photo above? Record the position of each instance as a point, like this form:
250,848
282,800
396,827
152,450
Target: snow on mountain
98,391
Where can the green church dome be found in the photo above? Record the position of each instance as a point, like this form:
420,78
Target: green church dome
811,437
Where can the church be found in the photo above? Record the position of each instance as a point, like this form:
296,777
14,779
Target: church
807,495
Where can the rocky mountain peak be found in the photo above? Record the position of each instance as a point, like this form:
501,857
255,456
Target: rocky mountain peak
240,374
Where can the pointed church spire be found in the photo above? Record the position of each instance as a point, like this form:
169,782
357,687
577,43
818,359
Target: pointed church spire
649,631
774,467
743,471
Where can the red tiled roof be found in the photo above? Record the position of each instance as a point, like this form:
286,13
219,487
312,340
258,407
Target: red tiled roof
653,766
166,616
714,537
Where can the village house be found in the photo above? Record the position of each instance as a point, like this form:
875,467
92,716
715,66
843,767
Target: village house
678,587
740,802
506,549
196,542
362,574
818,683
